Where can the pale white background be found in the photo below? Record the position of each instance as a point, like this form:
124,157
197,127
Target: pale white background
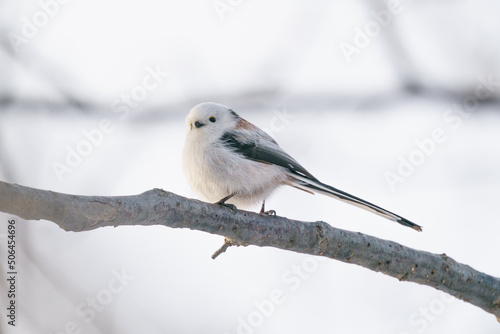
280,66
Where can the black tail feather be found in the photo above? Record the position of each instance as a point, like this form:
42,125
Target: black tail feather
318,186
406,222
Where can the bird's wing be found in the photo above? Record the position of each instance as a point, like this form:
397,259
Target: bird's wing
264,149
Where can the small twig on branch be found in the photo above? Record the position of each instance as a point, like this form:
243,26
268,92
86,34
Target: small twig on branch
158,207
227,243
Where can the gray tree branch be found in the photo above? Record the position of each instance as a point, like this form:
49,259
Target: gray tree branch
158,207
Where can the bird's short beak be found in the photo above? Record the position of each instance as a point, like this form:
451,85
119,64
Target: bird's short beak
198,124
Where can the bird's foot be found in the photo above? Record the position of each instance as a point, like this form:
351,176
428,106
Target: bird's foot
231,207
268,212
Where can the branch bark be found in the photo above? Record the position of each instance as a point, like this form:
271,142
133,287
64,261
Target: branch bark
158,207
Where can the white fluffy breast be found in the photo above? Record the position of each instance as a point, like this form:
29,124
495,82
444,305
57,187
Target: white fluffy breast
215,171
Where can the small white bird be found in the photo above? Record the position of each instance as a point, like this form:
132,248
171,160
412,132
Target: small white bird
229,161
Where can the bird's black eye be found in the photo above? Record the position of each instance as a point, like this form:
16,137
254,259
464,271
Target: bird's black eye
212,119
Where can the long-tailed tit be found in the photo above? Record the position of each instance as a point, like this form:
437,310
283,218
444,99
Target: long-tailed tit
228,160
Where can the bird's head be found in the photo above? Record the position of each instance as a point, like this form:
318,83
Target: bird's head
210,120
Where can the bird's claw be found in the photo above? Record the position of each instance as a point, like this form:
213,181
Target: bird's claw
231,207
268,213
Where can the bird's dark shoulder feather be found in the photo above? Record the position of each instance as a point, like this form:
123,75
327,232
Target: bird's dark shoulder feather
256,151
